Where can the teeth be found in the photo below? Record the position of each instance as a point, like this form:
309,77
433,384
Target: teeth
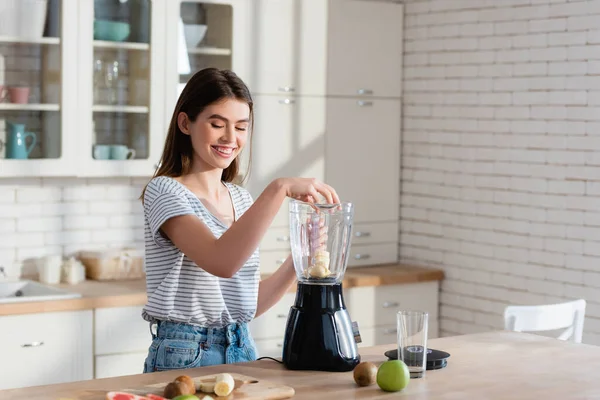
224,150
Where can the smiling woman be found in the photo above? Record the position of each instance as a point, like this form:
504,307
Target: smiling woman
202,231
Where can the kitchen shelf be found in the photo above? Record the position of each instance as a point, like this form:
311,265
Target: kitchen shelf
105,44
209,51
18,39
29,107
122,109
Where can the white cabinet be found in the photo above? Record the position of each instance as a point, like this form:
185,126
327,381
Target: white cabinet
268,329
44,349
375,308
328,47
290,47
122,339
287,140
363,155
104,113
365,46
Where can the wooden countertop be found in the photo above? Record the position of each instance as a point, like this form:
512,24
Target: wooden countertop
97,294
493,365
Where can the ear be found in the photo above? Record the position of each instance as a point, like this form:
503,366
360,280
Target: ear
183,122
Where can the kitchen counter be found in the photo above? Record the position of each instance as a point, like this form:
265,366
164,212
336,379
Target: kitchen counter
97,294
493,365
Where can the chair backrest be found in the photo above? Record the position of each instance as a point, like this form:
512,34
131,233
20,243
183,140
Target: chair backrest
568,316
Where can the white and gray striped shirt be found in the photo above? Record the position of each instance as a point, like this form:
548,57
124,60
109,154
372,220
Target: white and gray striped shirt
178,289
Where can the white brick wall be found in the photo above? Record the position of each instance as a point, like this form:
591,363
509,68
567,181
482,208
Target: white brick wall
62,216
501,154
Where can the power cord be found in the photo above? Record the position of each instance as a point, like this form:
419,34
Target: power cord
269,358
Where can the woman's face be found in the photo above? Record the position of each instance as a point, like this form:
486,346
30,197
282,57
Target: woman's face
219,133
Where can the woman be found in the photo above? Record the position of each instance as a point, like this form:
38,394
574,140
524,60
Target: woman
202,232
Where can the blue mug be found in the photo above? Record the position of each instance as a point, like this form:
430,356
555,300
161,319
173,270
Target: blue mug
16,141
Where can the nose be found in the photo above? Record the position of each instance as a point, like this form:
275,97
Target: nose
229,134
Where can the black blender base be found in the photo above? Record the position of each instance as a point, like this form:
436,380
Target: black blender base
318,335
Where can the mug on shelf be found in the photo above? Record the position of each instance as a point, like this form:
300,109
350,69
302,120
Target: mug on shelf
101,152
121,152
15,94
112,152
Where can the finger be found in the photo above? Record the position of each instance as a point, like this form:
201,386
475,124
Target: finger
334,195
322,188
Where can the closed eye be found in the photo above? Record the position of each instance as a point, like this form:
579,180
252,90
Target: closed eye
217,126
240,129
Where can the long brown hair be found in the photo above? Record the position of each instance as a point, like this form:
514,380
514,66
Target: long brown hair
206,87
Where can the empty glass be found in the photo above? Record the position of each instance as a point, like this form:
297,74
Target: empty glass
412,340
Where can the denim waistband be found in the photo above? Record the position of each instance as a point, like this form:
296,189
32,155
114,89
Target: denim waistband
236,333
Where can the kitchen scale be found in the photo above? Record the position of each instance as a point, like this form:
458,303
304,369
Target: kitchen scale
319,333
436,359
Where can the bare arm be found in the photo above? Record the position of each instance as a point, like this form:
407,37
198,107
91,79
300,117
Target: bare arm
272,289
225,256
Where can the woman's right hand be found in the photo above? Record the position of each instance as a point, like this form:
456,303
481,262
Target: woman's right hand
308,190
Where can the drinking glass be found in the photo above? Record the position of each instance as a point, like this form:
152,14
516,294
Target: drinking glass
412,340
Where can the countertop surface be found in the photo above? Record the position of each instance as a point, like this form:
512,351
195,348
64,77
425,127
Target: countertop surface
493,365
100,294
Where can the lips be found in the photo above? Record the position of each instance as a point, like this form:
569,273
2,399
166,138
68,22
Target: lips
223,151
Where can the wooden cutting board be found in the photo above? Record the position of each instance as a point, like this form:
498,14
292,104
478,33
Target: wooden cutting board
246,388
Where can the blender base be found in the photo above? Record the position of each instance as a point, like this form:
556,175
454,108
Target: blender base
318,334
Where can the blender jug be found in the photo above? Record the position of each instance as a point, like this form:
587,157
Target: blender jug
320,237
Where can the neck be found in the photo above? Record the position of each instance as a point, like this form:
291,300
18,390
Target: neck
204,180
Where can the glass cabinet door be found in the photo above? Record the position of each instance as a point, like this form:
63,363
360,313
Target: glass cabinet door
124,84
35,42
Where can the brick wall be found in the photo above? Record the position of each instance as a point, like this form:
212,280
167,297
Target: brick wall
501,154
61,216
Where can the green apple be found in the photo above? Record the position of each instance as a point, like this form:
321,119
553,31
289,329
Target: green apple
393,376
186,397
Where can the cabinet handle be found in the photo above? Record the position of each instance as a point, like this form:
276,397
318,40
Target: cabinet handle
33,344
389,331
364,103
286,89
390,304
364,91
287,101
280,261
281,316
362,234
361,256
279,344
283,239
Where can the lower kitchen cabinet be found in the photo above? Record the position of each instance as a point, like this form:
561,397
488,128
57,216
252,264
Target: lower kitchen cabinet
122,338
373,307
119,364
46,348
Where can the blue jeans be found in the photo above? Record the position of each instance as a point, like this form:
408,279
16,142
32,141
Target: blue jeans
179,346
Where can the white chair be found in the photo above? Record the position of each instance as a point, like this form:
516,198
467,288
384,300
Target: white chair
568,316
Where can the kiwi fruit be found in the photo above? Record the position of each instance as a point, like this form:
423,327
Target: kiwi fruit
189,382
175,388
365,373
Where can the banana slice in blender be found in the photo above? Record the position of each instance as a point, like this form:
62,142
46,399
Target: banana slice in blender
319,271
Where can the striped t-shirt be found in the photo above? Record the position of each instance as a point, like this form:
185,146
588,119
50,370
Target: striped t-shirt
178,289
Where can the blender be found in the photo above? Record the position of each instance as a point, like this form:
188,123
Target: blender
319,333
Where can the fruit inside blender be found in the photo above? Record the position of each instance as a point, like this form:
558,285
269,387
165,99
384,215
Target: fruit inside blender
319,260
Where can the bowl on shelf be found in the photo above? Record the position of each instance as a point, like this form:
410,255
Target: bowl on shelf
194,34
113,31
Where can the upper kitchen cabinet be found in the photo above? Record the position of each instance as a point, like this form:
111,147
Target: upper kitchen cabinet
201,34
327,47
38,87
290,39
364,50
121,101
362,153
